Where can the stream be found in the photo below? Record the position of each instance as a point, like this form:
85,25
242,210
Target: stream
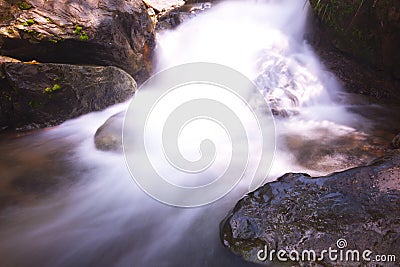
65,203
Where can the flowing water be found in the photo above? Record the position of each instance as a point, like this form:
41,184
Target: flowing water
67,204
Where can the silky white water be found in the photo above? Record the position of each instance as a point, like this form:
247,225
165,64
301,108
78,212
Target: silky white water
104,219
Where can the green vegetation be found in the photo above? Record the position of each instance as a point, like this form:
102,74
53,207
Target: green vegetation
29,22
358,27
33,33
83,36
24,5
49,90
48,19
53,39
56,87
10,31
78,29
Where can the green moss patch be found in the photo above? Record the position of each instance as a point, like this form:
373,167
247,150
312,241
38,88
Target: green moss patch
24,5
49,90
54,39
29,22
78,29
83,36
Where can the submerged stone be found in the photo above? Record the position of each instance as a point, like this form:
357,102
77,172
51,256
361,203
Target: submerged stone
109,136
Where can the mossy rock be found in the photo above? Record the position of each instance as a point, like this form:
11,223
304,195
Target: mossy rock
59,32
42,95
367,30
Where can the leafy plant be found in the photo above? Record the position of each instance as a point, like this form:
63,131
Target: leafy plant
50,90
54,39
24,5
29,22
83,36
56,87
78,29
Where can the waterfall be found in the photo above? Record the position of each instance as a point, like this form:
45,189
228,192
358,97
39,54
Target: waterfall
104,219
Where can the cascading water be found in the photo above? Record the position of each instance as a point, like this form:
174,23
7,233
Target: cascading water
104,219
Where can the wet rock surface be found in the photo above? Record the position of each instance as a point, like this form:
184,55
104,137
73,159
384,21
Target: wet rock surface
366,30
355,75
173,18
109,136
97,32
328,150
42,95
299,212
358,78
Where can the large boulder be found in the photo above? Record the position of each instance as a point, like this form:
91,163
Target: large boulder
367,30
97,32
298,212
41,95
